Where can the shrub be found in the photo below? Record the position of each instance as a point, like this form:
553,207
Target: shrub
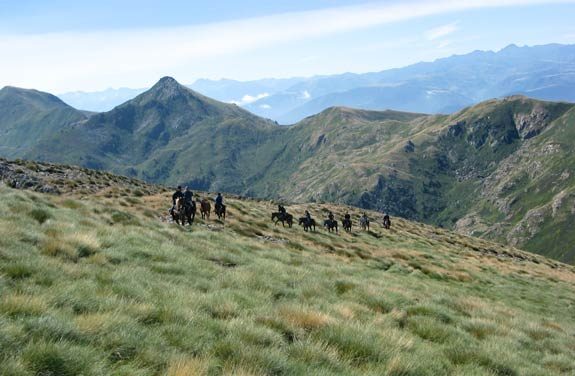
40,215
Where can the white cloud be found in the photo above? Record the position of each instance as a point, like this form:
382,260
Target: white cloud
444,43
265,106
305,95
441,31
135,58
247,99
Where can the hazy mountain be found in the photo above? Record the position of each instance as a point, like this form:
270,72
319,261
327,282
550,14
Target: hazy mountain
101,100
545,72
443,86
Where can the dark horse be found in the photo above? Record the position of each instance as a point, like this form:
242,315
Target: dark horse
308,224
346,223
220,211
205,209
330,225
184,212
283,218
386,222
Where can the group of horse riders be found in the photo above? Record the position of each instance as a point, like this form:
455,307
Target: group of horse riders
184,208
330,223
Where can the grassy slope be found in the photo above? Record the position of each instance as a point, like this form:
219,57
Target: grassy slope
29,116
98,284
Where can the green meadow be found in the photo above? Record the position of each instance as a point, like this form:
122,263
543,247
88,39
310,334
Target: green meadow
103,284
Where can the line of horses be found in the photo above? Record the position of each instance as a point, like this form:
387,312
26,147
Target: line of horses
331,225
185,212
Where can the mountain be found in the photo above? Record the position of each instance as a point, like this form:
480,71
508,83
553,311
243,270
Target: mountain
501,169
445,85
96,281
28,116
100,101
169,133
544,72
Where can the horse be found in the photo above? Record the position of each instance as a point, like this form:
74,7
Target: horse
205,209
308,224
346,223
282,217
330,225
220,211
183,212
364,223
386,222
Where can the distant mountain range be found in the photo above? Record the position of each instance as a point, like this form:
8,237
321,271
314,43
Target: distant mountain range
446,85
502,169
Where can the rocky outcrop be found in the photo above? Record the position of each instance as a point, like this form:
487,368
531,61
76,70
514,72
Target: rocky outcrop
531,124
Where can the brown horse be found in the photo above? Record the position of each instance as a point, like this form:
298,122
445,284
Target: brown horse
205,208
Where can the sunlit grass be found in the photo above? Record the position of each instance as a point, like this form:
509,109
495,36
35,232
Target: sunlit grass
91,287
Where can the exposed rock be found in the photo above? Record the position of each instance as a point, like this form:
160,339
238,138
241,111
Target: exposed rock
530,125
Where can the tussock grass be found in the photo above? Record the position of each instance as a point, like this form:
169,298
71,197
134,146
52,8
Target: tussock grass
98,288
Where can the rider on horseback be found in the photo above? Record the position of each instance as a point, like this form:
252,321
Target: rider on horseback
330,216
177,194
307,216
219,201
188,196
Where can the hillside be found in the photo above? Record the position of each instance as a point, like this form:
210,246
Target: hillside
93,281
28,116
502,169
168,133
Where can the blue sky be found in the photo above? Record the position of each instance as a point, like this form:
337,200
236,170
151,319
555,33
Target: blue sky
64,45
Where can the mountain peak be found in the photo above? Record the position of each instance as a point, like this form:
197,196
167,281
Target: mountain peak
168,81
167,84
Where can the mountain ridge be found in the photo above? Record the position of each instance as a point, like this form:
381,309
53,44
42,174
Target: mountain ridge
455,171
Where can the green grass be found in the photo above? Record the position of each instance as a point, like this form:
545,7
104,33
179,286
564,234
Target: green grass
96,288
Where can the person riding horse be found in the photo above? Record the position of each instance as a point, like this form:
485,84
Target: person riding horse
282,216
177,194
386,221
220,208
364,222
307,222
219,201
346,222
330,223
188,197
